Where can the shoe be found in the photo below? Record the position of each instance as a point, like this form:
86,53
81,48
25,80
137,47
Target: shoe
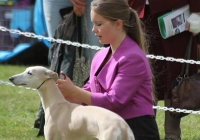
37,123
41,128
172,139
38,117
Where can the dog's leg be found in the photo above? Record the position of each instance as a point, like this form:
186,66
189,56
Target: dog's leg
117,133
112,133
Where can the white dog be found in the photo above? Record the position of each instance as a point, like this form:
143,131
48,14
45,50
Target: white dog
68,121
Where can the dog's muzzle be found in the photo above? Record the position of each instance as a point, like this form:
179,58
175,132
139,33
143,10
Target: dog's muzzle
12,80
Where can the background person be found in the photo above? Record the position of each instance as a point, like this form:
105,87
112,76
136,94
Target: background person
174,46
53,18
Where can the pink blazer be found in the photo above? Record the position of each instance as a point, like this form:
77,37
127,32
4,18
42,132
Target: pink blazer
124,83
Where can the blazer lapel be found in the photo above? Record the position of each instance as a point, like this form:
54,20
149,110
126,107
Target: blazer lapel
107,74
101,59
109,71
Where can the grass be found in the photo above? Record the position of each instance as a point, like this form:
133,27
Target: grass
18,108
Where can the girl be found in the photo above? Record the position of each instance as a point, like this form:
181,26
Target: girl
120,75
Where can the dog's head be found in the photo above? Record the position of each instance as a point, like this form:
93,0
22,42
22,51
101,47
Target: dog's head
33,77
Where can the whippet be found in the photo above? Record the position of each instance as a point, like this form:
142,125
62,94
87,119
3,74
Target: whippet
69,121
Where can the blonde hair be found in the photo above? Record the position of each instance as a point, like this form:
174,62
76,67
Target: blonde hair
132,25
119,9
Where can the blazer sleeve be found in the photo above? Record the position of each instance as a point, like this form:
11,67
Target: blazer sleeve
87,86
130,75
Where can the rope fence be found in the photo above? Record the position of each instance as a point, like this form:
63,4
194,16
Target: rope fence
77,44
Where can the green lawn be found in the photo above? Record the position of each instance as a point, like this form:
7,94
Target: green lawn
18,108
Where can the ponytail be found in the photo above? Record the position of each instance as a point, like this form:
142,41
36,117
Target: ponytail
136,32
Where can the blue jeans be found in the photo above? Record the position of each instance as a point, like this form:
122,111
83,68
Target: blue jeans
53,18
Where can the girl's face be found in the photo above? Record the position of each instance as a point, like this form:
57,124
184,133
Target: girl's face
105,30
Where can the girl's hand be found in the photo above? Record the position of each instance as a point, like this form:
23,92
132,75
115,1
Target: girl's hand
66,86
60,84
73,93
73,100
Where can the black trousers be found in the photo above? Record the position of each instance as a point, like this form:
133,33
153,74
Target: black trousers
144,128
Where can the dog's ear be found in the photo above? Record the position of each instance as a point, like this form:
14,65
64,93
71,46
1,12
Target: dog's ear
52,75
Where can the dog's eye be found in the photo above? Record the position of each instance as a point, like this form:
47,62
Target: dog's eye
29,73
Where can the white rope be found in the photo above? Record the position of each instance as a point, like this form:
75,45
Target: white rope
50,39
171,109
28,34
10,84
154,107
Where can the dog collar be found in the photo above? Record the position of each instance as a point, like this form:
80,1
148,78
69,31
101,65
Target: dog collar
42,83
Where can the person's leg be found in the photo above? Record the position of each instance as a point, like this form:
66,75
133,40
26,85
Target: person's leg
172,125
52,14
53,19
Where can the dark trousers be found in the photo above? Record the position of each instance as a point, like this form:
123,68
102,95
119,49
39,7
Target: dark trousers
144,128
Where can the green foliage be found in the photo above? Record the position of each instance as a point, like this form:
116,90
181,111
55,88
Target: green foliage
19,106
